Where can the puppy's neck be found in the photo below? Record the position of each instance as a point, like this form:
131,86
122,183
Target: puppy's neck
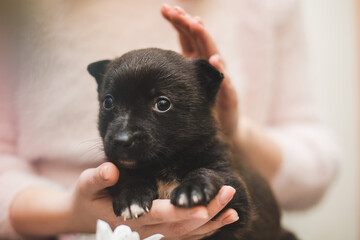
200,153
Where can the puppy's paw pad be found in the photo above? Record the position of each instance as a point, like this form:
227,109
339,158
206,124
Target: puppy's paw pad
196,197
189,194
130,204
182,200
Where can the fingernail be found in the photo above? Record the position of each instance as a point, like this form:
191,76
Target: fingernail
165,7
179,9
230,219
216,56
199,213
226,195
104,172
198,20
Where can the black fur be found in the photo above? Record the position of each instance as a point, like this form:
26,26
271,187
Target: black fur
181,144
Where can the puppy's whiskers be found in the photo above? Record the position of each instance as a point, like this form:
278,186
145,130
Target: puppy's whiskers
95,151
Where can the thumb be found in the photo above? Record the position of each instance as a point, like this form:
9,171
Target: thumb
217,62
94,180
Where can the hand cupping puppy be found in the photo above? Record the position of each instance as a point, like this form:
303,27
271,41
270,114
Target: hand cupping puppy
90,201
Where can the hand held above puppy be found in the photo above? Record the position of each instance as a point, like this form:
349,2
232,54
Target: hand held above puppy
196,42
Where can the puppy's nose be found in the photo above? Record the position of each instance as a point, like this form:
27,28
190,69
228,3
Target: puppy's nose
123,139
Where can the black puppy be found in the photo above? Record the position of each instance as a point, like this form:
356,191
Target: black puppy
157,124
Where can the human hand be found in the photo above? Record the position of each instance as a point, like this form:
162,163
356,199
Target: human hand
90,201
196,42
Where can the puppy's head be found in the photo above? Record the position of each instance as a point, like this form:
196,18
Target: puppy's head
153,103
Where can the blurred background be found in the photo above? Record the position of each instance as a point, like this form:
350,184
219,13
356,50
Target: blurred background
332,28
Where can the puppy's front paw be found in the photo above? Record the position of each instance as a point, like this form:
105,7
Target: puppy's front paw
133,211
130,203
190,194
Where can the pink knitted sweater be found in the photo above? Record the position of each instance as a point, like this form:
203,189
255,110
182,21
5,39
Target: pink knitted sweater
48,105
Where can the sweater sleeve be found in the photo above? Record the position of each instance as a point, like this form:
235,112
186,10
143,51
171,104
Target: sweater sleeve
309,152
15,173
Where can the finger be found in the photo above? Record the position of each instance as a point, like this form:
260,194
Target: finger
163,211
186,220
186,43
227,217
93,180
182,21
217,62
192,47
165,10
227,92
224,196
204,41
191,31
194,29
167,219
173,15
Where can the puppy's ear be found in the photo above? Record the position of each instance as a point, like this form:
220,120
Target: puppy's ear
209,76
98,69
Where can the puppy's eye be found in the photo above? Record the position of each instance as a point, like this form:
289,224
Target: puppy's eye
162,104
108,102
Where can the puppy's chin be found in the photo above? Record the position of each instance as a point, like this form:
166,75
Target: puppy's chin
130,158
127,163
124,161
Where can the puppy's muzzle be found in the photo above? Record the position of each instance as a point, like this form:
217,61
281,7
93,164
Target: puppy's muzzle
124,139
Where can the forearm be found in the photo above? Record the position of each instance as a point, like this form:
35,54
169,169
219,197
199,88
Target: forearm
258,149
41,212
